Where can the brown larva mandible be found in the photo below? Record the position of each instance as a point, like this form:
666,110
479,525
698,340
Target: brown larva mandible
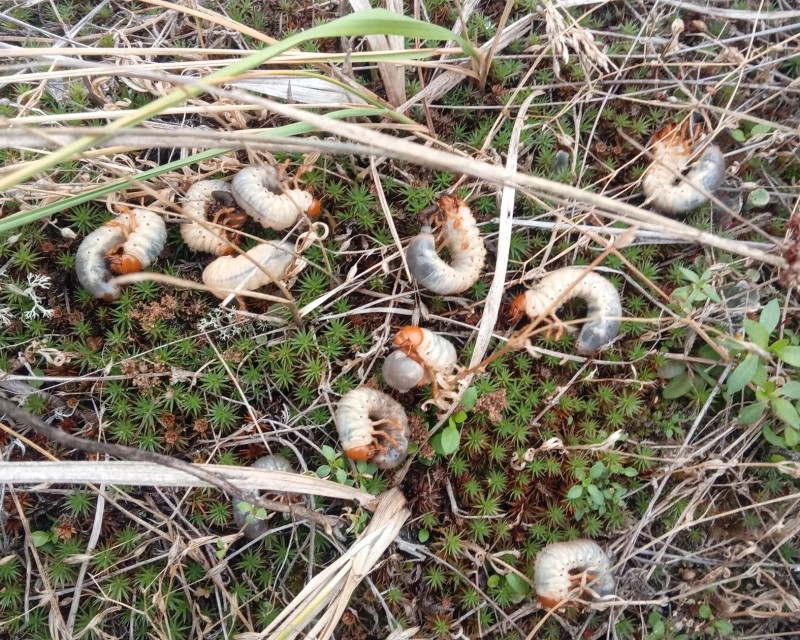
461,236
564,566
260,193
358,414
127,244
604,309
256,528
228,274
421,356
199,199
672,148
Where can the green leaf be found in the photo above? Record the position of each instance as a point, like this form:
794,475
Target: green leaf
493,581
738,135
678,387
785,411
790,390
758,197
725,628
446,441
760,130
40,538
575,492
705,612
469,398
770,315
597,470
757,333
261,514
517,584
671,369
460,417
751,413
691,276
244,507
329,452
789,355
595,494
423,535
791,436
773,438
324,471
630,472
742,374
711,292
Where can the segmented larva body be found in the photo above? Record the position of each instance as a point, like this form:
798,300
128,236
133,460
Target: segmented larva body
604,309
564,566
257,528
259,192
461,236
90,261
672,148
128,243
227,273
359,412
421,355
197,201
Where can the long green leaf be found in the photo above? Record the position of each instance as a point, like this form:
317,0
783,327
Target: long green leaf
297,128
361,23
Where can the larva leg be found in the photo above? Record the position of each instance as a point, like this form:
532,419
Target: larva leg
385,434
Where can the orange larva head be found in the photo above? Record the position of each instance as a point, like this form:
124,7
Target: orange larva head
314,208
124,263
548,601
360,453
409,338
517,308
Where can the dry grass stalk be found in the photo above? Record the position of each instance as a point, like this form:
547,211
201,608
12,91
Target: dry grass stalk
326,595
392,74
155,475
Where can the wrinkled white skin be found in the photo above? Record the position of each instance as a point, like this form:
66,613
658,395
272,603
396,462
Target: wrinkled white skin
604,308
257,528
401,372
226,273
147,235
355,416
558,564
196,202
90,261
468,254
437,352
262,196
666,191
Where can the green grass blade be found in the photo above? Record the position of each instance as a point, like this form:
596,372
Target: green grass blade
297,128
375,21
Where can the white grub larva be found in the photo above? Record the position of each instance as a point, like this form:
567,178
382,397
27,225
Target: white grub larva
145,237
263,197
672,148
604,309
256,528
403,373
90,261
461,236
199,201
372,426
564,566
227,273
433,355
129,243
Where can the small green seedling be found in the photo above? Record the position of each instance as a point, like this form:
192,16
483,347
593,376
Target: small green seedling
447,441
